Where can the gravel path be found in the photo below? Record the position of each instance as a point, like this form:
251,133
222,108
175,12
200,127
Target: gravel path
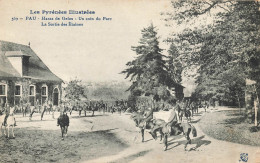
110,138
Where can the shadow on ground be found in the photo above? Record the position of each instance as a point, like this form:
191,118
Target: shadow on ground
47,146
132,157
198,141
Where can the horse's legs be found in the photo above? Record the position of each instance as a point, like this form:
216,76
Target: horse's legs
43,113
8,130
188,142
5,130
62,132
161,135
13,131
153,133
187,135
165,141
66,130
142,132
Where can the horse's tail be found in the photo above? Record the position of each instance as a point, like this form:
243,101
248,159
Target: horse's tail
194,131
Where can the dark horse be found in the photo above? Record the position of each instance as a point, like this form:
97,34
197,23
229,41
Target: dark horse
63,122
183,111
138,119
194,107
177,129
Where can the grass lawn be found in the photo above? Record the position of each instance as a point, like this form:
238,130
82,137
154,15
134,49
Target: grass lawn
229,126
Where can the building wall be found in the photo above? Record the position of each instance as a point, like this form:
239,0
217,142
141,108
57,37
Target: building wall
12,99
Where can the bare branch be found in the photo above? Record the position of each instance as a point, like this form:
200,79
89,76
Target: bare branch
207,9
223,8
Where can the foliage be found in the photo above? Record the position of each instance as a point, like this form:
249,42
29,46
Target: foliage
107,91
75,90
148,72
225,50
174,64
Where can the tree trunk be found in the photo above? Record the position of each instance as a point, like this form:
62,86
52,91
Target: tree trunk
239,105
248,102
255,105
256,102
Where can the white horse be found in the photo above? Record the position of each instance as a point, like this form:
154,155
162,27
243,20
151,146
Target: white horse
9,122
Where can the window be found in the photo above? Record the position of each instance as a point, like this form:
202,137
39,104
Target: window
18,90
32,90
3,90
44,91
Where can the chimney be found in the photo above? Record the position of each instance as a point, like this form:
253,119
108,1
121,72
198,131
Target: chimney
29,44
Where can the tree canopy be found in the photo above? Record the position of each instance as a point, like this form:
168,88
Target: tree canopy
148,71
225,49
75,90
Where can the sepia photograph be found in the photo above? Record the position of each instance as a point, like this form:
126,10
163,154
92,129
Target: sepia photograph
129,81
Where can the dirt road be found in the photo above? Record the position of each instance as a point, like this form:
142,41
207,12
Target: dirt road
109,138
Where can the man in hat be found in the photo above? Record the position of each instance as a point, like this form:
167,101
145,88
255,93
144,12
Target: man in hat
174,117
148,116
63,121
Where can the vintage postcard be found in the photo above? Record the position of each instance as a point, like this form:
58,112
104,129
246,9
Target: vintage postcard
129,81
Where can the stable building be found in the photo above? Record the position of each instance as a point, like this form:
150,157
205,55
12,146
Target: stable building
25,78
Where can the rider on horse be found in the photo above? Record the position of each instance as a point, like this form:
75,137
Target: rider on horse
7,113
174,117
148,116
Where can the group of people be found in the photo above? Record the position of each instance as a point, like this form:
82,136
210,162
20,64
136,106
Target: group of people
174,114
177,110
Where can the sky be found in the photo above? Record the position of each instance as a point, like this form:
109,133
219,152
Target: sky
97,51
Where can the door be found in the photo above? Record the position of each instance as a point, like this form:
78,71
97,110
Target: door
56,96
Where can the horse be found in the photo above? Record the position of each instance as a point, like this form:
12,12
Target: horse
205,105
182,111
10,122
138,118
185,113
194,108
63,121
32,110
177,129
25,108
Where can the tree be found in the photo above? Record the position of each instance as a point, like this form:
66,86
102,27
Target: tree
148,72
75,90
174,64
224,49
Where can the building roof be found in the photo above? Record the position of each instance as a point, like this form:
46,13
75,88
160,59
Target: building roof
6,68
37,70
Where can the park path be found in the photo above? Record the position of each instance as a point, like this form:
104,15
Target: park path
207,150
